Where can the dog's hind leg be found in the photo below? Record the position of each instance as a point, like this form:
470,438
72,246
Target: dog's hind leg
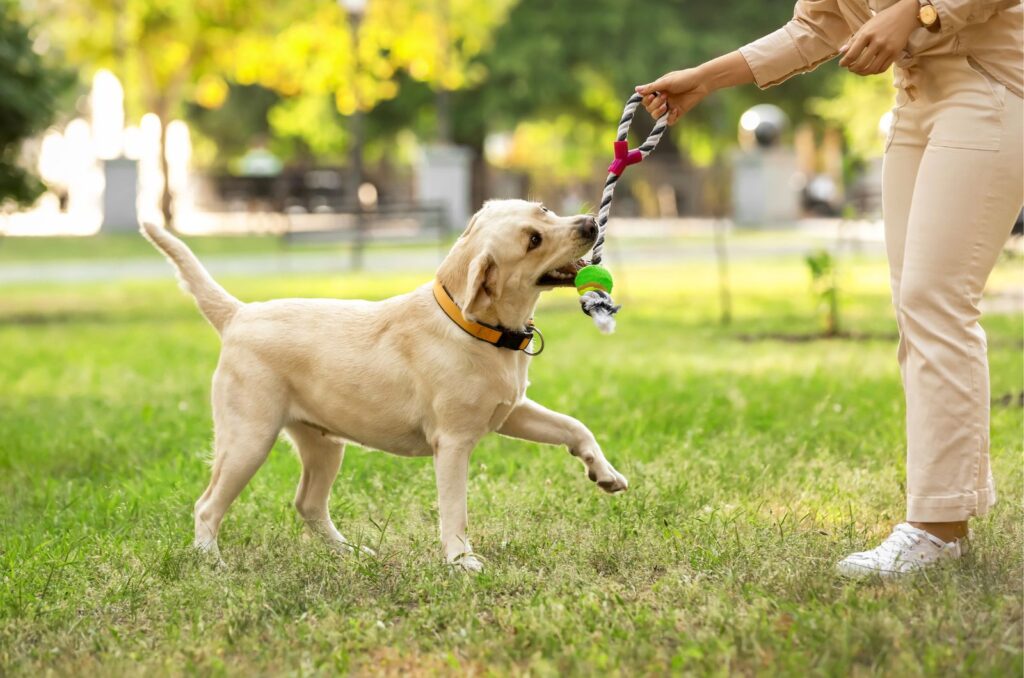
246,423
321,459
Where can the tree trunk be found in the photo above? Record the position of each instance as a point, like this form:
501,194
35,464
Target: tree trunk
166,200
718,194
722,256
479,183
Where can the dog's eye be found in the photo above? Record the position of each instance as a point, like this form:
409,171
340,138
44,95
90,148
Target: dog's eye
544,209
535,241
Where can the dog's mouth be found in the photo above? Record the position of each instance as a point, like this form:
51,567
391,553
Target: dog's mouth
563,276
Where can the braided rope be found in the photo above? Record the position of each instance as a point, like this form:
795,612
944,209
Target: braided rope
597,303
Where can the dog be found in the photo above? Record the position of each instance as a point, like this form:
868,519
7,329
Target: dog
429,372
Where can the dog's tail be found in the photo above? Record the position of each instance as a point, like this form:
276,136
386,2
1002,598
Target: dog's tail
213,300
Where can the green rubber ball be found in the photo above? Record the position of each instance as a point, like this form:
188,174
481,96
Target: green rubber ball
593,277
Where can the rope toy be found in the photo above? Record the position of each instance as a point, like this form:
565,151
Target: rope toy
594,282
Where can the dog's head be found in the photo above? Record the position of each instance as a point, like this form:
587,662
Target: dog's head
512,251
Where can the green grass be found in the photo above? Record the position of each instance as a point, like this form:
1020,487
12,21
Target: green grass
128,245
29,250
753,466
26,250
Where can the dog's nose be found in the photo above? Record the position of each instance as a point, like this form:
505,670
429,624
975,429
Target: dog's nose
588,228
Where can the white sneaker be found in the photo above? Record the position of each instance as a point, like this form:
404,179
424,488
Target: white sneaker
905,550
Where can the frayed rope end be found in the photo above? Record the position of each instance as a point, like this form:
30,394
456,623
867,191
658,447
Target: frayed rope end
599,306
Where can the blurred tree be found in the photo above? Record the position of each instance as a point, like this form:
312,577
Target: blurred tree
212,53
856,106
165,52
554,75
30,90
434,42
578,60
224,133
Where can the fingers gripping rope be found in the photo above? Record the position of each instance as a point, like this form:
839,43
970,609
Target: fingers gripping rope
593,281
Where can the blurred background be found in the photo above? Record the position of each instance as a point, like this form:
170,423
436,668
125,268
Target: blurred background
339,127
375,119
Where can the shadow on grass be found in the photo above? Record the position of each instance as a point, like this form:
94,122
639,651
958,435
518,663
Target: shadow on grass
121,317
1010,400
805,337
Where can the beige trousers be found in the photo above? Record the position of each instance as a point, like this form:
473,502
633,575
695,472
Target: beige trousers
953,182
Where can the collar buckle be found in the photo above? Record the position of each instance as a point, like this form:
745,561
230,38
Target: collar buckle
513,339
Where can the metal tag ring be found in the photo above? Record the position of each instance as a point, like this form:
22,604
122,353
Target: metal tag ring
536,330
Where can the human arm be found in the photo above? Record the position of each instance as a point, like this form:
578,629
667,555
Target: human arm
814,35
881,40
679,91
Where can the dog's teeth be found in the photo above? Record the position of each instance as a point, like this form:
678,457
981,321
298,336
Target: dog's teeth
560,274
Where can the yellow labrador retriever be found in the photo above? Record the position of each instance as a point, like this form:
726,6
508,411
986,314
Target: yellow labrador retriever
425,373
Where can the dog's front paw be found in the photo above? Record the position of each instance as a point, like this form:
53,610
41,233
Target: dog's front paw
467,562
349,549
209,554
609,480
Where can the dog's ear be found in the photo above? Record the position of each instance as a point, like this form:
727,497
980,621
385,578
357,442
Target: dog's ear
482,285
471,224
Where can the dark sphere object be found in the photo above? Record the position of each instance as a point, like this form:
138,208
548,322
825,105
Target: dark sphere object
767,134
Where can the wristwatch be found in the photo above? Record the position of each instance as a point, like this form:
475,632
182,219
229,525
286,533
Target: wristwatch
927,15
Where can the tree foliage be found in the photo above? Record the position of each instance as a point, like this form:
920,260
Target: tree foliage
856,106
579,60
204,53
165,52
30,92
553,75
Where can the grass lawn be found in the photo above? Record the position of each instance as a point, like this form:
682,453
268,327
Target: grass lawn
129,245
28,250
24,250
753,467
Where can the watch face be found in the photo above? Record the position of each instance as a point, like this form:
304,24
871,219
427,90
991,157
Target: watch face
928,15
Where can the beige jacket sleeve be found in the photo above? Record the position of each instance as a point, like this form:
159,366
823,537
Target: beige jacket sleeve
814,35
954,15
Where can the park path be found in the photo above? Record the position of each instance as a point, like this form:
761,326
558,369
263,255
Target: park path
374,261
426,259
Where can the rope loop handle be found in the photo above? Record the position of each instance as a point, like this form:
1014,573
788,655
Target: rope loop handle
598,304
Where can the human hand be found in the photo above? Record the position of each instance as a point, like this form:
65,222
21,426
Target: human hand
879,42
676,92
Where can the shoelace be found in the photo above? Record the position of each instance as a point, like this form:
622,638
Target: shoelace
900,539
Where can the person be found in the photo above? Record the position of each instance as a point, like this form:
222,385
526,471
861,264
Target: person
953,182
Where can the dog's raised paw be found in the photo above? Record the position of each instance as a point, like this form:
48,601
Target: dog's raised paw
614,483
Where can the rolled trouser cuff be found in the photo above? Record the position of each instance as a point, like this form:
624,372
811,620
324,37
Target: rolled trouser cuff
950,508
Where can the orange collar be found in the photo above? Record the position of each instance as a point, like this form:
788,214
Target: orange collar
515,340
